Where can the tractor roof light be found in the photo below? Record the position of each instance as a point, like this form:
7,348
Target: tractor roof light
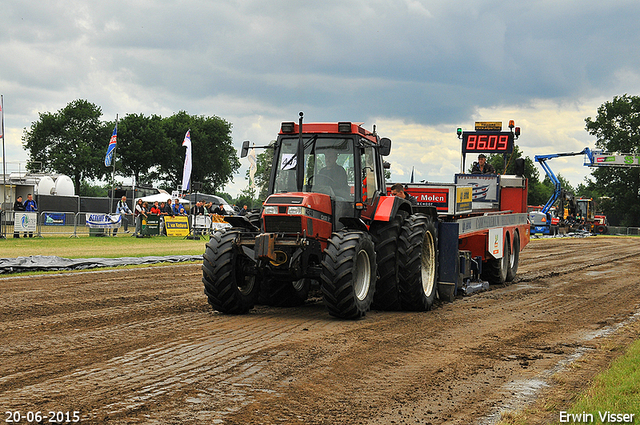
288,127
512,124
344,127
517,132
459,132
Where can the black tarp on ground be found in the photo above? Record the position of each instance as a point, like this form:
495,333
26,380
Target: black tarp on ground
53,263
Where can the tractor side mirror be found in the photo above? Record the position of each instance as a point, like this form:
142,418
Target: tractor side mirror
385,146
245,149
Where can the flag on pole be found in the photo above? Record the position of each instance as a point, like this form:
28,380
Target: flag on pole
1,120
112,146
186,171
253,166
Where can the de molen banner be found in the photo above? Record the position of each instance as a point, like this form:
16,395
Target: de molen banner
25,221
103,221
54,219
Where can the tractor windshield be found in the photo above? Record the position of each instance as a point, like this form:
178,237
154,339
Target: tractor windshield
328,166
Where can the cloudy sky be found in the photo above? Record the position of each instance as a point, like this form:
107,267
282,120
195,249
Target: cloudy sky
416,69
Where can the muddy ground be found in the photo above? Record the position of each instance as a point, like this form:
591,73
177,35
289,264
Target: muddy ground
143,346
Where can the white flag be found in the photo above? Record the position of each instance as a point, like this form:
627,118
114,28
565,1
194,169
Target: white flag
252,167
186,171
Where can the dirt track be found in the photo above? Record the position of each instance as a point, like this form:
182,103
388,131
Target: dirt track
143,346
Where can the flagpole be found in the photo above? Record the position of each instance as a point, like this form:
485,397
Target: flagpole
113,172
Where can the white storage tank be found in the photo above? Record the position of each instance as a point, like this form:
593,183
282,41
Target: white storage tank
46,186
64,186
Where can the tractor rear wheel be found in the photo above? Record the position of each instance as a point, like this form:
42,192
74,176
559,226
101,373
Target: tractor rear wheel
385,238
349,274
226,273
418,254
495,270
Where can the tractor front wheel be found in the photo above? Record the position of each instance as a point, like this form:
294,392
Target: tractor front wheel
349,274
229,283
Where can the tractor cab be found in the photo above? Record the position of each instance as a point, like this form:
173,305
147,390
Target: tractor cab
331,172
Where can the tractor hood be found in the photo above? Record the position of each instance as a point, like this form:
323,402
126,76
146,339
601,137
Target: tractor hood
314,201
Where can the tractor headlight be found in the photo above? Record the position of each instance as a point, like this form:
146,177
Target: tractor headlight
296,210
270,210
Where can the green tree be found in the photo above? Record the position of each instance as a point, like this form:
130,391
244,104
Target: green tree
214,158
617,129
72,141
141,142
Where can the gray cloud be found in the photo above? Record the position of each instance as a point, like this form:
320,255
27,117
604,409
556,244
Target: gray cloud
430,63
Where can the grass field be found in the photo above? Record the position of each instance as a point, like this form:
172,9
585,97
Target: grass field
109,247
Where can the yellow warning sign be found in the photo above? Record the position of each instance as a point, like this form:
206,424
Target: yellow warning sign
488,126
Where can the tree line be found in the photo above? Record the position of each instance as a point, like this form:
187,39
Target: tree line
73,141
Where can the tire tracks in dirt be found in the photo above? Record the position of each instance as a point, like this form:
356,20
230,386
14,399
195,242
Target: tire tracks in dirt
142,345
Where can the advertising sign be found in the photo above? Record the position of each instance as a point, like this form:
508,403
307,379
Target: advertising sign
484,187
613,160
54,219
103,221
177,226
25,221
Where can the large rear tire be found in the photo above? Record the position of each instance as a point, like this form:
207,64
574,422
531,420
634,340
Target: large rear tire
495,270
228,283
385,237
349,274
418,257
514,258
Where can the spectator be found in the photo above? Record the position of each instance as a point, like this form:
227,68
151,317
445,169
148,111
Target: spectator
198,208
244,211
155,209
178,209
398,190
139,212
18,206
220,210
30,206
165,210
123,209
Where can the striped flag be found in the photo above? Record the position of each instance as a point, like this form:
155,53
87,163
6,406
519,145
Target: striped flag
112,146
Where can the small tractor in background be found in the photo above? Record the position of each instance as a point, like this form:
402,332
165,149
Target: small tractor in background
329,224
579,213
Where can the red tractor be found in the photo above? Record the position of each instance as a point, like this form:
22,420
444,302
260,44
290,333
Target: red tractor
327,221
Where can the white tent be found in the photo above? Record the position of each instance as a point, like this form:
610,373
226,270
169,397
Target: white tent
161,197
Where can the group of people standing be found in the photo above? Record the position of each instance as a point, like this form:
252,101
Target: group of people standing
28,206
162,209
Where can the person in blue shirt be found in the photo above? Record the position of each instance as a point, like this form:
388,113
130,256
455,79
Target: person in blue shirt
178,209
30,206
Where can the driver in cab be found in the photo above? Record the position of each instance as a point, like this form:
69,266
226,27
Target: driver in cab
333,174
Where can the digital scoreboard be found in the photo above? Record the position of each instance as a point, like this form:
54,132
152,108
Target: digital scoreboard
487,142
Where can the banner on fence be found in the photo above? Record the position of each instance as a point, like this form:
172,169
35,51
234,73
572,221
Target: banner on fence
103,221
54,219
25,222
177,226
